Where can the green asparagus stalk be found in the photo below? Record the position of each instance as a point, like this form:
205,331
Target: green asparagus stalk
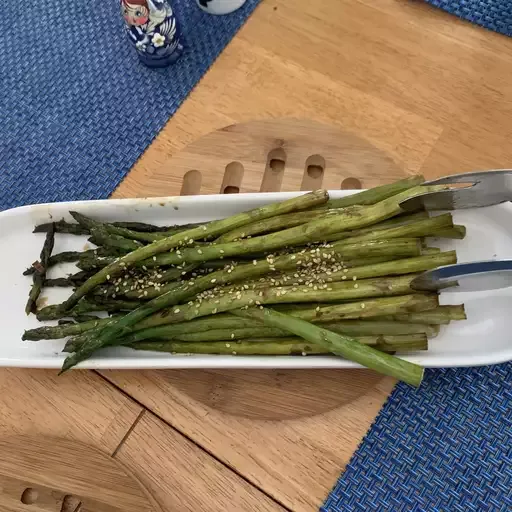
393,268
377,194
457,232
258,331
227,326
142,227
54,312
421,228
233,299
315,230
370,248
340,345
314,313
441,315
245,348
389,268
61,226
64,257
61,331
276,347
129,234
429,251
395,248
214,228
101,236
380,307
40,274
289,220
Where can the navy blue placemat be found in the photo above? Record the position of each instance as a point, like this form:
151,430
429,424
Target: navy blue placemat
492,14
77,109
446,447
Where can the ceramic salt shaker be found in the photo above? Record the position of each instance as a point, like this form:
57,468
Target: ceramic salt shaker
220,6
153,30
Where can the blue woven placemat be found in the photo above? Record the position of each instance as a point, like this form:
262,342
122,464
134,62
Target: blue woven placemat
77,109
446,447
492,14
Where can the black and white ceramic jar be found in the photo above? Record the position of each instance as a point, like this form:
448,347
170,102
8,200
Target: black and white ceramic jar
220,6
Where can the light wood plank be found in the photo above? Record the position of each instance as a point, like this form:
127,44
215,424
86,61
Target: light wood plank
49,474
78,406
297,455
182,477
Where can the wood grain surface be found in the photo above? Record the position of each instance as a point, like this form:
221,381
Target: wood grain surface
432,92
184,477
273,155
295,458
77,406
49,474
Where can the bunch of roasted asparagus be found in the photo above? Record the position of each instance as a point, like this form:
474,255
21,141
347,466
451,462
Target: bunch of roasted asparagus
336,273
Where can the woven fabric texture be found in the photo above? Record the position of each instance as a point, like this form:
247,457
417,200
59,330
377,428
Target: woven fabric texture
492,14
446,447
77,108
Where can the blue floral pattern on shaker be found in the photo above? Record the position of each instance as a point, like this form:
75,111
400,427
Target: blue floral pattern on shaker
152,28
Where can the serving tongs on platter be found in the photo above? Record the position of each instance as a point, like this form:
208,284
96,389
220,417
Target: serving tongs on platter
478,189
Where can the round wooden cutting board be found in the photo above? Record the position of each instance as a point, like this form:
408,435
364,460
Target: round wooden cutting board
57,475
270,156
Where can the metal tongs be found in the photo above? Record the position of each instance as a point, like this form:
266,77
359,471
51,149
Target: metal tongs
483,189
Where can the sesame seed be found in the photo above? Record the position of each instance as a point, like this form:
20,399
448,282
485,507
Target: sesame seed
199,251
228,345
108,277
145,293
356,286
317,308
144,267
354,278
154,258
304,353
213,280
363,305
234,353
343,277
214,310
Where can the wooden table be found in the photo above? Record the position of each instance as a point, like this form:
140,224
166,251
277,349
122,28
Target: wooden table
430,90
